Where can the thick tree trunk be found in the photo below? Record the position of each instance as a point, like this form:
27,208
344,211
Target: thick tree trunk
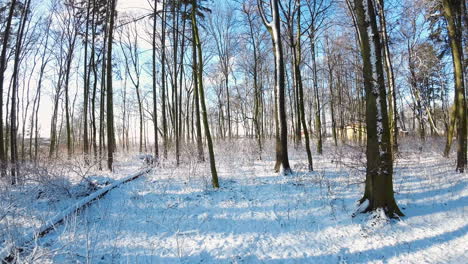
379,170
280,72
452,13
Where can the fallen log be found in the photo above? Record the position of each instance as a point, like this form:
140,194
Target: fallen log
8,252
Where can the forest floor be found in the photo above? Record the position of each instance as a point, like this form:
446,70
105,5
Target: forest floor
172,215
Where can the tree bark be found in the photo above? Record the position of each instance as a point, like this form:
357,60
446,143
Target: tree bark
298,78
14,94
392,103
214,173
109,92
155,109
201,156
3,65
318,121
379,170
86,87
330,87
450,131
282,138
452,13
163,78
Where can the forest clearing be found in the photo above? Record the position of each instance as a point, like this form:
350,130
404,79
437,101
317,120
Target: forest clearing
171,215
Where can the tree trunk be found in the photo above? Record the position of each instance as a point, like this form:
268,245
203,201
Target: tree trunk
257,92
102,99
180,94
214,174
282,137
450,131
109,92
332,103
318,122
15,174
175,72
452,13
228,99
3,65
86,88
379,170
37,99
201,156
163,78
93,99
155,112
140,115
392,103
298,78
68,66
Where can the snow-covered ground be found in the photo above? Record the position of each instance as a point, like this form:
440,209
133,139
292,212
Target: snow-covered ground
47,190
173,216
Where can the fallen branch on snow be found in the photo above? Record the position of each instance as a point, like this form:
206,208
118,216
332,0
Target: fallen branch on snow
7,253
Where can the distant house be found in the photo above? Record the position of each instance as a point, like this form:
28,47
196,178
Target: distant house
354,130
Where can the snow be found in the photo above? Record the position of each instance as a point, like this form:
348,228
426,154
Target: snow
52,223
47,191
173,216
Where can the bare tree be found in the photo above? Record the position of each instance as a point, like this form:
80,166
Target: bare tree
193,15
379,170
14,94
3,65
248,10
131,54
153,63
274,28
222,28
452,13
109,92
